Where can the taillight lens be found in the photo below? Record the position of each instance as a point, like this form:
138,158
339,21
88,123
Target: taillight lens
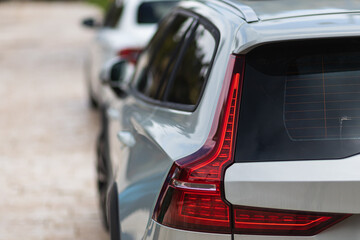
191,197
130,54
279,222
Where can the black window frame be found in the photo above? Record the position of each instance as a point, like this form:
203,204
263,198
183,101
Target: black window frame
214,31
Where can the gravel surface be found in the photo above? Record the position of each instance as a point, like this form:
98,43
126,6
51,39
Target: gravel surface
47,132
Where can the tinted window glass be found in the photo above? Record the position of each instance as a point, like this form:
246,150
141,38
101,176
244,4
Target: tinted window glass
193,69
301,101
152,12
113,14
139,80
322,97
154,62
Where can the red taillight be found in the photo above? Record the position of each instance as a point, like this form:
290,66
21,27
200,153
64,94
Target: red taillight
191,197
280,222
130,54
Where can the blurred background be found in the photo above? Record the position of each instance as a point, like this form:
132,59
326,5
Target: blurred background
47,130
102,4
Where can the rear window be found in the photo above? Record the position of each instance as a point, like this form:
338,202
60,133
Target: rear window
300,101
152,12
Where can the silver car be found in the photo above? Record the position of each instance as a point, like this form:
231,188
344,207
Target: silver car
242,122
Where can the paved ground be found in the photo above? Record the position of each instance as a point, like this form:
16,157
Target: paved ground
47,132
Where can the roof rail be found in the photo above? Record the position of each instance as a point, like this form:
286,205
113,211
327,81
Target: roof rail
247,12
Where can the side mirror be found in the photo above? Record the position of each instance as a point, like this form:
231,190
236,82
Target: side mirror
117,73
90,23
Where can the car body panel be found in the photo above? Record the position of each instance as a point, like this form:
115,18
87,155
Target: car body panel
319,186
137,180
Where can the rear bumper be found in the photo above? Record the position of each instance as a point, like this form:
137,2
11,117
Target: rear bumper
157,231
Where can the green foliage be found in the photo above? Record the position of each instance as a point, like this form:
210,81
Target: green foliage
103,4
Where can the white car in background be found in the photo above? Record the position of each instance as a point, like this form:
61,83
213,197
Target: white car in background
127,27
